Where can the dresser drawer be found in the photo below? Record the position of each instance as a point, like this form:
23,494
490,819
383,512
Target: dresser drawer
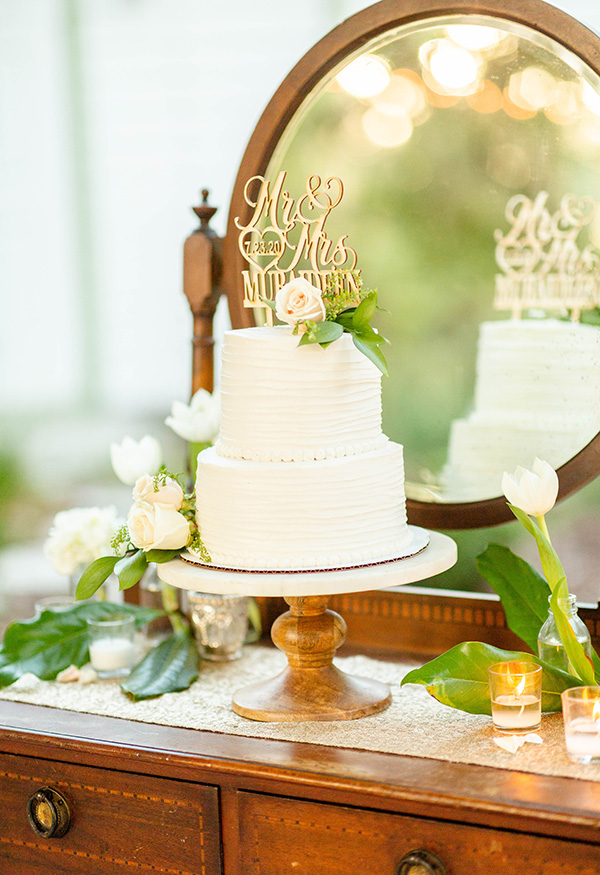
119,822
307,838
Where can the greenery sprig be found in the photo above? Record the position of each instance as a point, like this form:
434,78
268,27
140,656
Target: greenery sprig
346,311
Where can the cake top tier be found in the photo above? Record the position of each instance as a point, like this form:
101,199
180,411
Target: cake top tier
284,402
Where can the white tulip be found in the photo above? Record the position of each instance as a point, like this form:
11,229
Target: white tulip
157,527
130,459
532,491
198,421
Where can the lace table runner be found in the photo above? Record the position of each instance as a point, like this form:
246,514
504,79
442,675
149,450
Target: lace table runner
415,724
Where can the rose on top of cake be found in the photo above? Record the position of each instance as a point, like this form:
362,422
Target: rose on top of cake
323,316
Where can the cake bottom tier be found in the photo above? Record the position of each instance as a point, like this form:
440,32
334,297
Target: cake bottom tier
480,452
293,515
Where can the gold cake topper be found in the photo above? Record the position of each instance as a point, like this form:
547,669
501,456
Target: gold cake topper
286,238
542,263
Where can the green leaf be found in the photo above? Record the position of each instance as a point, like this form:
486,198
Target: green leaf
160,556
551,564
130,569
579,661
372,352
168,668
365,311
48,644
327,332
459,677
270,304
523,592
94,576
345,319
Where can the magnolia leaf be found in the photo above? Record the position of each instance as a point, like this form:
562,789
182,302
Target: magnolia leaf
372,352
168,668
48,644
160,556
130,569
551,564
365,312
459,677
94,576
579,661
523,592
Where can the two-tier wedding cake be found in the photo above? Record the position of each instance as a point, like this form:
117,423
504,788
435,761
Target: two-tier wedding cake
302,476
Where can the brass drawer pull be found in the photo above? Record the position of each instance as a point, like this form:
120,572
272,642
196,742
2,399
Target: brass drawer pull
48,813
420,863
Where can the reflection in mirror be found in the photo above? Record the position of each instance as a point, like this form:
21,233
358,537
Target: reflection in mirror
469,148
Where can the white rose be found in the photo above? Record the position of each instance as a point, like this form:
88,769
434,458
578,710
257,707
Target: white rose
198,421
132,458
299,301
170,493
157,527
532,491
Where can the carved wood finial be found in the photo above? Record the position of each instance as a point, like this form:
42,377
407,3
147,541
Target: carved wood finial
205,212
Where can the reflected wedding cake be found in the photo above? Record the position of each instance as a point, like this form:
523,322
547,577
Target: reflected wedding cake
537,393
301,476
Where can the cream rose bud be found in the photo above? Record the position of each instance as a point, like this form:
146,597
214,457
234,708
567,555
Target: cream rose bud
532,491
157,527
146,490
299,301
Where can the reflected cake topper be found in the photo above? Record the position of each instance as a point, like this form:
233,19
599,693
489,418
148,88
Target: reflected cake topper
286,238
543,265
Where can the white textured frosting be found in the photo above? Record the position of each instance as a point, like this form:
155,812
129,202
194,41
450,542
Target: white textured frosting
537,394
317,514
282,402
542,370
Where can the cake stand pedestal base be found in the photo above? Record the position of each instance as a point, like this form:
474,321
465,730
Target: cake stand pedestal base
310,687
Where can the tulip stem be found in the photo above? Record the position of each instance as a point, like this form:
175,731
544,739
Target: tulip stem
542,524
170,601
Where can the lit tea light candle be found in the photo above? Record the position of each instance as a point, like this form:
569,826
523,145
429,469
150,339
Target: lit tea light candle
581,714
516,696
111,646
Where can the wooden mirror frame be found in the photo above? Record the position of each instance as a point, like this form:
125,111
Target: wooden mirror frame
323,57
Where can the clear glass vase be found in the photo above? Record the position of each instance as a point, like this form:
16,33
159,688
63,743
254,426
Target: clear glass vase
550,647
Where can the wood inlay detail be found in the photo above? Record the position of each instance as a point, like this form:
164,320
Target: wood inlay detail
58,849
107,790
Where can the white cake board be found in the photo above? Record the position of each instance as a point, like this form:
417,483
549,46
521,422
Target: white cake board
439,555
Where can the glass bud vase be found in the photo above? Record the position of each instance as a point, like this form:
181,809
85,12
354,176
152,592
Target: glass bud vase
550,647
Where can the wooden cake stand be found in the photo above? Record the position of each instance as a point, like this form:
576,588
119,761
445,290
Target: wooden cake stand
310,687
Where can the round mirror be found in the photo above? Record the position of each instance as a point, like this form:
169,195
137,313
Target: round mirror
469,149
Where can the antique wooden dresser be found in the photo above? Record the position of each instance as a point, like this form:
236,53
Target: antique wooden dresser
135,797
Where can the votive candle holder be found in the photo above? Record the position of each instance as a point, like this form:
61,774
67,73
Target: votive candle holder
581,716
111,645
516,696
